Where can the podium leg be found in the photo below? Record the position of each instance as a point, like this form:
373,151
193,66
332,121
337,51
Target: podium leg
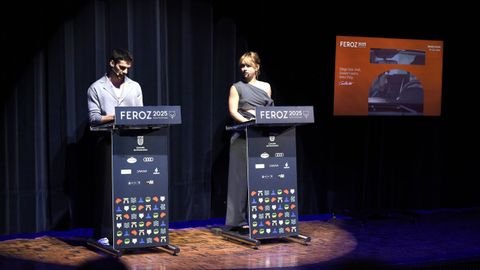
171,249
104,248
237,237
302,239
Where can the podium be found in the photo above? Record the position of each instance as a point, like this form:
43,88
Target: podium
140,214
272,174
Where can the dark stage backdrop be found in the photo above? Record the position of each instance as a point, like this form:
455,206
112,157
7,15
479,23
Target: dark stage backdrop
186,53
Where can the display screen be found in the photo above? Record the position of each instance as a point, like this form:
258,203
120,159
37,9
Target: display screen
387,76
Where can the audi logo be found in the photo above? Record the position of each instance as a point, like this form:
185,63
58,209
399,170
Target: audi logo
148,159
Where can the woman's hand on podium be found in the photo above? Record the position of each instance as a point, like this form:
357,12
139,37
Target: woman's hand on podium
108,118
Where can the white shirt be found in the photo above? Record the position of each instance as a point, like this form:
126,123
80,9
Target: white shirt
102,98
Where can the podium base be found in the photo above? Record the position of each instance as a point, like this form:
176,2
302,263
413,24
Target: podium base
171,249
300,238
237,237
104,248
245,239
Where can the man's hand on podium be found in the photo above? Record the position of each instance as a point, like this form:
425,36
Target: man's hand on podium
108,118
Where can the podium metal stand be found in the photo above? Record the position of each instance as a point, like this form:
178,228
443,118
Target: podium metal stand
140,178
272,174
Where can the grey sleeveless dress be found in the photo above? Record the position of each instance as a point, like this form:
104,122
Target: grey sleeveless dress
249,98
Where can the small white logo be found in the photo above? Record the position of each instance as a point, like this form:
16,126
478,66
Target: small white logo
148,159
259,166
264,155
140,140
131,160
125,171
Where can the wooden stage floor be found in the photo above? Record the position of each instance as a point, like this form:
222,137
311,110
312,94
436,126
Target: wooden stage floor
409,242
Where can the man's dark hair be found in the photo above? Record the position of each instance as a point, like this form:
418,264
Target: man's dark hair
121,54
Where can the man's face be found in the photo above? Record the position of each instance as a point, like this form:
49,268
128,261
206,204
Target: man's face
120,68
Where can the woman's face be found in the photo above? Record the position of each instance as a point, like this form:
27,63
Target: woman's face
248,68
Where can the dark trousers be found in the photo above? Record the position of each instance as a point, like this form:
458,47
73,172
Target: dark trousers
103,226
237,182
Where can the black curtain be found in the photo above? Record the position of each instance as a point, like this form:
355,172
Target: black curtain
186,54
